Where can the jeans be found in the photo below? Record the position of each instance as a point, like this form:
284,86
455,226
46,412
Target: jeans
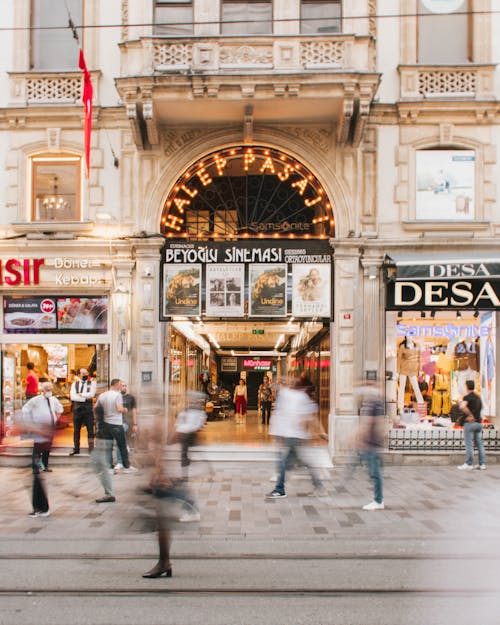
100,462
372,459
265,407
118,433
119,458
472,432
290,450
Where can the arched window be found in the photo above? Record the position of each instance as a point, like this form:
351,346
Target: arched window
55,188
244,192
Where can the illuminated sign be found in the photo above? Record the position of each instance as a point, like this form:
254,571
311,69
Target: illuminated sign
420,294
20,272
257,365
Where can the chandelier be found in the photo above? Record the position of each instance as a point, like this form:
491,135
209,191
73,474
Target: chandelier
54,202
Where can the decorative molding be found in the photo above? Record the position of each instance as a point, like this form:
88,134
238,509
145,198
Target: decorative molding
174,140
318,137
124,31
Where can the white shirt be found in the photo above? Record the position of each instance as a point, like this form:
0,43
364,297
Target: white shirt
293,412
190,420
109,400
36,413
81,391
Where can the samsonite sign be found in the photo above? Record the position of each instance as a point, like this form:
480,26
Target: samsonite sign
436,294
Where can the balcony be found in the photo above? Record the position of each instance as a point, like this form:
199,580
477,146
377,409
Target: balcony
175,81
438,82
49,88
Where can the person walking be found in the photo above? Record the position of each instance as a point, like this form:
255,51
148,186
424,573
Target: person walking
30,382
471,405
189,422
40,415
240,402
294,414
265,400
113,411
371,440
100,455
82,393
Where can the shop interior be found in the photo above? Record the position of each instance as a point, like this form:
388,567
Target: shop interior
213,356
429,357
55,362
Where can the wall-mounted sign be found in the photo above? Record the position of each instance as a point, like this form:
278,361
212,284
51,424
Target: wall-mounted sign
20,271
34,315
445,186
435,294
251,364
228,364
146,377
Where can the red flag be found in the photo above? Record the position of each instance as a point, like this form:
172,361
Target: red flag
87,95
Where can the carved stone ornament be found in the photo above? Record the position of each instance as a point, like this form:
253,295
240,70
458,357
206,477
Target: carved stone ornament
318,137
245,55
173,140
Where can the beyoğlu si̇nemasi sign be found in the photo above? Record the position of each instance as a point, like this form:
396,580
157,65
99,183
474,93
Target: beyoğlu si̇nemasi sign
231,279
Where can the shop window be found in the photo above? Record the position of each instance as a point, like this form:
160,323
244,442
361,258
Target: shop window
254,17
444,32
320,16
445,185
56,188
173,18
52,45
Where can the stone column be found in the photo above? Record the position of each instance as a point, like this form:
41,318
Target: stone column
373,323
147,335
346,345
121,301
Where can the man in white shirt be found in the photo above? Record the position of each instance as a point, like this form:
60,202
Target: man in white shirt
112,405
40,415
82,393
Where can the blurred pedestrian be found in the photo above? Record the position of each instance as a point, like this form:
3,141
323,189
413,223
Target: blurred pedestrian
100,455
82,393
30,383
471,406
371,439
189,422
240,402
292,420
40,415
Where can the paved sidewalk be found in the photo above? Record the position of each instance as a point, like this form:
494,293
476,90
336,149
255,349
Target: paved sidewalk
432,504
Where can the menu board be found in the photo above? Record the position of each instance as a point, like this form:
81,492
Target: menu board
39,315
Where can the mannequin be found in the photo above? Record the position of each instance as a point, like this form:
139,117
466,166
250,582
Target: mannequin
466,362
408,366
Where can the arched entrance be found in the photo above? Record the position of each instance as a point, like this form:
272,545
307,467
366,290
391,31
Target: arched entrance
247,282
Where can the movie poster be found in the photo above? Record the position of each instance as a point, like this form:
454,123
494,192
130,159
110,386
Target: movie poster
311,290
224,288
182,290
268,290
445,184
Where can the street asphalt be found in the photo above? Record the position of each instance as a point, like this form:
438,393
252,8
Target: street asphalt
432,556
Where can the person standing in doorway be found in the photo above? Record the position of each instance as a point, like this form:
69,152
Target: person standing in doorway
81,394
240,401
30,382
40,415
471,405
265,400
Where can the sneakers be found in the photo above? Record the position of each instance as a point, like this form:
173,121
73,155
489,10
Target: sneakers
190,517
275,494
374,505
481,467
130,469
106,499
118,467
465,467
37,513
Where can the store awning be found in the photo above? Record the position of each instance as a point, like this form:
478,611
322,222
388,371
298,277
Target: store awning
447,265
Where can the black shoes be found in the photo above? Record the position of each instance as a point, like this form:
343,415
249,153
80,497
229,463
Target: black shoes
47,470
158,571
106,499
74,453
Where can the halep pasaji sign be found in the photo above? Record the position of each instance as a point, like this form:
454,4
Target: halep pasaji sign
20,271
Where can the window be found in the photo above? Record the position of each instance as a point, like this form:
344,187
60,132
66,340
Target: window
56,188
254,17
444,32
173,18
445,189
52,45
320,16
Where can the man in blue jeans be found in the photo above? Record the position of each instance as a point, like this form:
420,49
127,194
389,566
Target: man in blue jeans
471,405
